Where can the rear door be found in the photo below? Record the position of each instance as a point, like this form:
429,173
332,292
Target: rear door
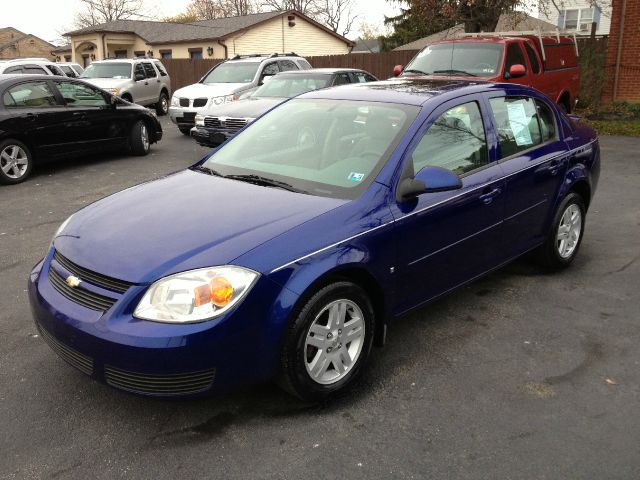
139,88
153,81
534,160
38,115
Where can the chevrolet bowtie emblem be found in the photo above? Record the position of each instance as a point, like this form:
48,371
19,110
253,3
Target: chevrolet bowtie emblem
73,281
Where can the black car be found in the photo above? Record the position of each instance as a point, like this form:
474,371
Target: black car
222,122
43,118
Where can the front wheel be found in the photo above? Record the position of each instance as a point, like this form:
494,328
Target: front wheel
185,130
162,107
328,342
564,239
16,161
139,140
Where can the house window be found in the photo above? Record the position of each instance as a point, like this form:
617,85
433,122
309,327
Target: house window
120,53
195,53
579,19
67,58
165,54
139,53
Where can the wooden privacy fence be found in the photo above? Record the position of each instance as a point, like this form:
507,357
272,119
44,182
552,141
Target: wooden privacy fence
184,71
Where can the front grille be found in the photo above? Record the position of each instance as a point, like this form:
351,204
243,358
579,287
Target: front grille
230,125
79,295
151,384
94,278
68,354
200,102
184,102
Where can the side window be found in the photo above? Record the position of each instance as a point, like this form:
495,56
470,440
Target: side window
304,65
547,121
80,95
270,69
149,70
342,78
533,58
514,56
286,65
13,70
34,70
55,70
30,94
138,70
517,123
70,72
361,77
161,69
455,141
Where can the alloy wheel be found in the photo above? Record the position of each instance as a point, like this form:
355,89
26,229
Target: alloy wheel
144,136
569,231
14,161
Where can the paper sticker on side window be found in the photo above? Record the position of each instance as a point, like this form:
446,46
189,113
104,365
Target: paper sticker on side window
519,122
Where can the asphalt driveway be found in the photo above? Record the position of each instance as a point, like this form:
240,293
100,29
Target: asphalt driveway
521,375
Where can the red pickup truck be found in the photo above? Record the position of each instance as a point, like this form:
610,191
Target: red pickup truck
548,63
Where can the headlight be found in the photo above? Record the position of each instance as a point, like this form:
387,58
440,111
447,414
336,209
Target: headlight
114,91
175,101
62,226
195,295
199,120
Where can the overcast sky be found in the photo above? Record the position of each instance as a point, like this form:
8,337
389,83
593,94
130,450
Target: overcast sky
47,18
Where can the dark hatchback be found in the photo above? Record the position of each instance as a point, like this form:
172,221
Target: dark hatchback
211,129
44,118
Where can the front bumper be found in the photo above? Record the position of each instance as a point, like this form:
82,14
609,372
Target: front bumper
151,358
184,117
209,137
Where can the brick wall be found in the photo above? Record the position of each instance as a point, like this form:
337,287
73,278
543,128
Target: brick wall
629,68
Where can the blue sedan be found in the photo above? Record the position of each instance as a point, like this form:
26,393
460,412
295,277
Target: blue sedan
286,252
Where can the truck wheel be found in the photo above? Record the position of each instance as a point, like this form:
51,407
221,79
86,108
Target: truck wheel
139,140
162,107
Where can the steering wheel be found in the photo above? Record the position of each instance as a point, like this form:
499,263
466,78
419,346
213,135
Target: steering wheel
483,66
306,138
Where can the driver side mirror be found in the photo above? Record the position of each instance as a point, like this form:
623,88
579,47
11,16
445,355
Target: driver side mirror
397,70
139,76
113,101
516,71
428,180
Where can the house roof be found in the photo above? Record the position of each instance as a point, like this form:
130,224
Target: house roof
168,32
20,38
508,22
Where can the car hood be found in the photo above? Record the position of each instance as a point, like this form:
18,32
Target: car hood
184,221
108,82
198,90
249,108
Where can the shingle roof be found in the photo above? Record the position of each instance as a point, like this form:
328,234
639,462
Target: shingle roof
517,21
166,32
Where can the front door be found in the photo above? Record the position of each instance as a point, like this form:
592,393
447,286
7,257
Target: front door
447,238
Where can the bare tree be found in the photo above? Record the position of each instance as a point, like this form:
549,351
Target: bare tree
308,7
338,15
101,11
211,9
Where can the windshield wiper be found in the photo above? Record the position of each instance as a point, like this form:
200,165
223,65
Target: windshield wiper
207,170
265,182
455,72
413,70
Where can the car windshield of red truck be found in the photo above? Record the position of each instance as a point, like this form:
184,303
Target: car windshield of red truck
452,58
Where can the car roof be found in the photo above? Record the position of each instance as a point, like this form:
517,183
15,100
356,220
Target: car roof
262,58
10,77
413,91
328,71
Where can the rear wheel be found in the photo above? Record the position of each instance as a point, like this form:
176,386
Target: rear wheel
328,342
139,140
564,239
162,107
185,130
16,161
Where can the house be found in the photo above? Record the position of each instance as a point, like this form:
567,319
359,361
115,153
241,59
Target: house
622,62
508,22
17,44
577,16
62,53
281,31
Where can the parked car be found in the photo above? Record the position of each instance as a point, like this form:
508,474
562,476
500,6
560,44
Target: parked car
226,82
144,81
70,69
45,118
30,66
287,251
548,63
215,127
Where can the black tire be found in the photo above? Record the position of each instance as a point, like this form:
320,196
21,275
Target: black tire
185,131
16,161
162,107
138,144
127,97
294,376
548,254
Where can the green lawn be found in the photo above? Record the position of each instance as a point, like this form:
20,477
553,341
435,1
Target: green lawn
629,128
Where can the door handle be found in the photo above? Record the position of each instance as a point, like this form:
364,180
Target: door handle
489,194
31,116
79,114
554,166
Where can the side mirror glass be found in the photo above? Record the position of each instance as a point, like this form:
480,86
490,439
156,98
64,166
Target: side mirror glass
139,76
428,180
397,70
517,70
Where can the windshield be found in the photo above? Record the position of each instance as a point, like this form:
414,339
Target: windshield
479,59
286,86
229,72
331,148
107,70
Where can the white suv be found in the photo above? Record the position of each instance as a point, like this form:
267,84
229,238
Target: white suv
30,66
226,82
144,81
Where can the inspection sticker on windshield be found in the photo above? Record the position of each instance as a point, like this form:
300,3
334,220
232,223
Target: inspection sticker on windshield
356,177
